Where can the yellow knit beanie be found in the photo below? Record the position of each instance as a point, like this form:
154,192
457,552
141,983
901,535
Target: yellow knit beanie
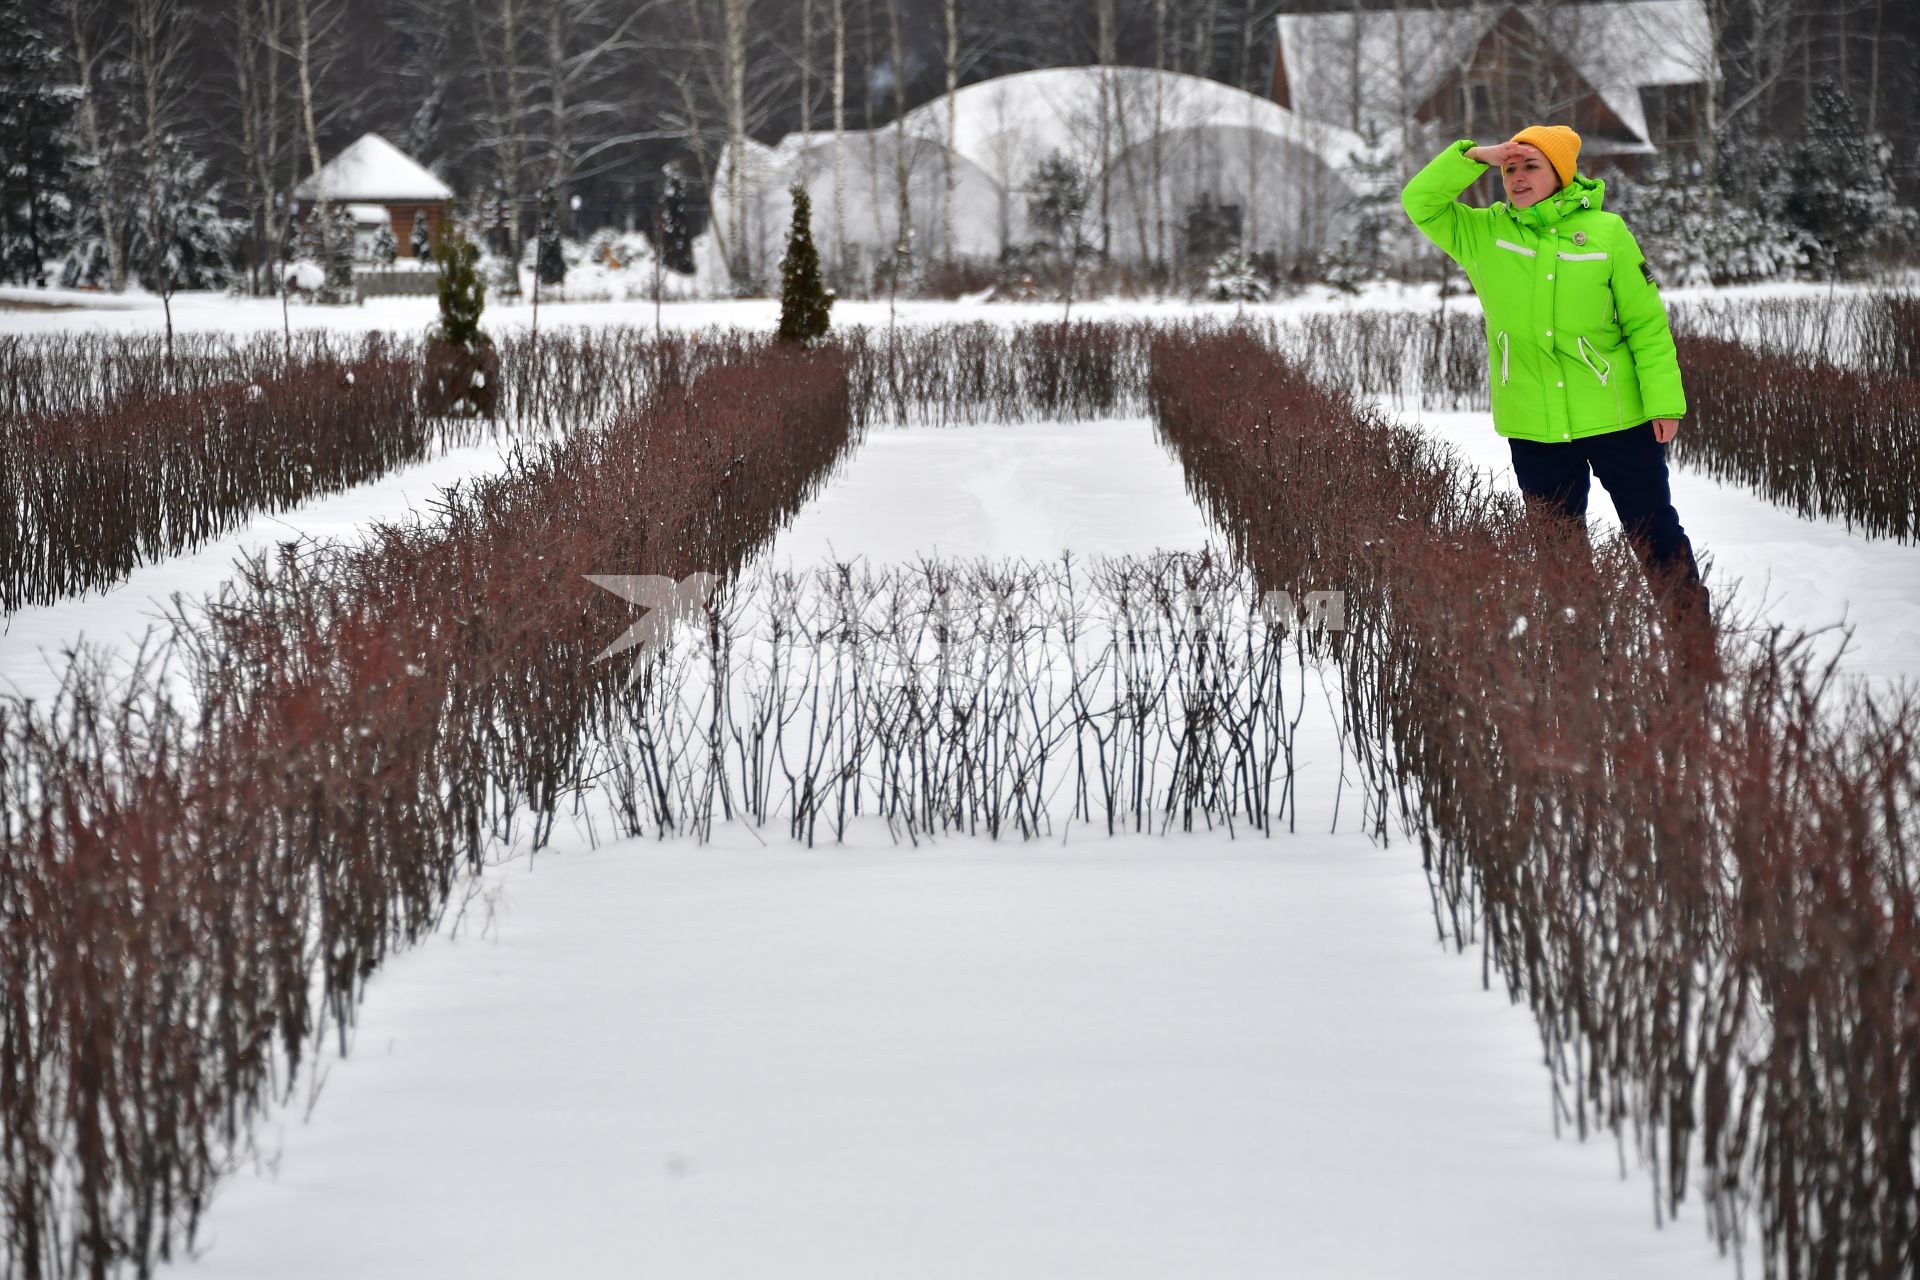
1559,144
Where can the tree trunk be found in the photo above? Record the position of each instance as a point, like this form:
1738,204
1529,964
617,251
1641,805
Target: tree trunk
1158,163
243,50
734,18
304,17
562,159
953,87
152,56
1106,53
839,136
510,176
903,245
1873,66
107,199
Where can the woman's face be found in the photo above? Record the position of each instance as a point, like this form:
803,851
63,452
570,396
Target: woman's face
1528,177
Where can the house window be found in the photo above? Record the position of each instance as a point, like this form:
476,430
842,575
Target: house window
1476,108
1675,114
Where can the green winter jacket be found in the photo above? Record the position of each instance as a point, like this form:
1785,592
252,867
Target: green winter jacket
1576,332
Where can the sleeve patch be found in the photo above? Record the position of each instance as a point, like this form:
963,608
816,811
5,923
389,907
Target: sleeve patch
1647,270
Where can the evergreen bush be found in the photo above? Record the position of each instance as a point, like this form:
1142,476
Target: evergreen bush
421,240
549,262
463,369
804,299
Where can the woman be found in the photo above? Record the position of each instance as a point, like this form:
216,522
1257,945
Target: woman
1585,378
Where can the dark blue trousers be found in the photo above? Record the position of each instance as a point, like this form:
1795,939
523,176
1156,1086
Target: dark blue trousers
1633,467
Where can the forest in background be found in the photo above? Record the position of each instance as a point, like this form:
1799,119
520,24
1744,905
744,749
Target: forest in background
158,141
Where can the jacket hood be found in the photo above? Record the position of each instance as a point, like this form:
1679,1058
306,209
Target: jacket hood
1581,193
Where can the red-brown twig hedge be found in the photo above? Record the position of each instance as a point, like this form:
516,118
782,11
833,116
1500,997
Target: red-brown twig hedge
1708,900
113,456
1836,443
88,495
190,887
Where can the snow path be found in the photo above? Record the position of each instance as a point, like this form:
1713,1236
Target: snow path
1031,490
1792,570
1130,1057
32,639
1135,1057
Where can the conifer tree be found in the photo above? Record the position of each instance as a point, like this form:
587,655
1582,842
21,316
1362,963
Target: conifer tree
549,263
463,294
462,366
421,241
804,299
1842,189
676,226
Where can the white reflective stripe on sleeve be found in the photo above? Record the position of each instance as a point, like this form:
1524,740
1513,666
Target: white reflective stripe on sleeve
1511,247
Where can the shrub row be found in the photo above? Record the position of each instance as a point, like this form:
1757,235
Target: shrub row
362,721
195,882
991,698
1877,332
1824,441
147,461
56,373
89,495
1707,898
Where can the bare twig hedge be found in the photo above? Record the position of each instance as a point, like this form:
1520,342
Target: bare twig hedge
192,886
1707,898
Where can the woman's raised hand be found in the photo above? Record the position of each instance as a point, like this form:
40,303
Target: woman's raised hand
1499,154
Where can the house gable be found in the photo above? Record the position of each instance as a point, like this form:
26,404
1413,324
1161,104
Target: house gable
1614,68
1514,76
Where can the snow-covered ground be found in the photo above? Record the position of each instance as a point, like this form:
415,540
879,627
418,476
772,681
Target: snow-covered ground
116,620
1084,1056
24,310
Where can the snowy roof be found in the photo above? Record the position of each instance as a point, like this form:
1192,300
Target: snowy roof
373,170
1057,109
1005,124
1620,47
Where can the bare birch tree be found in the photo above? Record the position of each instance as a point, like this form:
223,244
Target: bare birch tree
158,39
949,10
734,26
839,137
903,231
102,166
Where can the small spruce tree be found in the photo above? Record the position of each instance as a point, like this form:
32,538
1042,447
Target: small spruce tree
1058,209
421,241
463,294
323,241
804,300
549,263
676,224
462,368
384,248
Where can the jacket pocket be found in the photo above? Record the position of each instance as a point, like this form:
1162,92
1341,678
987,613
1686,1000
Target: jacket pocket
1597,364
